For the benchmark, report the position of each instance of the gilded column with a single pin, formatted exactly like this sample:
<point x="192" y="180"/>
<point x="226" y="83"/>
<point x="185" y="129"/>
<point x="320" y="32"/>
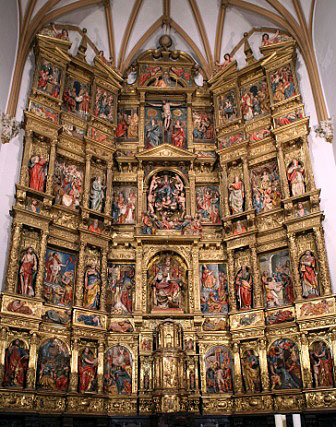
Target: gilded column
<point x="333" y="345"/>
<point x="189" y="121"/>
<point x="100" y="370"/>
<point x="192" y="189"/>
<point x="104" y="280"/>
<point x="294" y="265"/>
<point x="31" y="371"/>
<point x="26" y="157"/>
<point x="247" y="184"/>
<point x="231" y="285"/>
<point x="139" y="279"/>
<point x="51" y="166"/>
<point x="13" y="260"/>
<point x="305" y="362"/>
<point x="80" y="276"/>
<point x="142" y="121"/>
<point x="40" y="274"/>
<point x="265" y="383"/>
<point x="195" y="273"/>
<point x="238" y="383"/>
<point x="224" y="189"/>
<point x="141" y="204"/>
<point x="3" y="344"/>
<point x="257" y="289"/>
<point x="323" y="260"/>
<point x="308" y="166"/>
<point x="109" y="189"/>
<point x="74" y="366"/>
<point x="282" y="171"/>
<point x="87" y="181"/>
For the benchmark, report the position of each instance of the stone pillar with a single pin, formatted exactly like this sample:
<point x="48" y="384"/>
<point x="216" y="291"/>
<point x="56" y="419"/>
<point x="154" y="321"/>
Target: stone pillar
<point x="109" y="189"/>
<point x="100" y="370"/>
<point x="80" y="276"/>
<point x="238" y="383"/>
<point x="305" y="362"/>
<point x="265" y="382"/>
<point x="13" y="259"/>
<point x="24" y="181"/>
<point x="87" y="180"/>
<point x="51" y="166"/>
<point x="104" y="280"/>
<point x="40" y="274"/>
<point x="247" y="184"/>
<point x="224" y="189"/>
<point x="74" y="366"/>
<point x="257" y="287"/>
<point x="282" y="171"/>
<point x="294" y="266"/>
<point x="308" y="167"/>
<point x="325" y="284"/>
<point x="231" y="281"/>
<point x="32" y="363"/>
<point x="3" y="345"/>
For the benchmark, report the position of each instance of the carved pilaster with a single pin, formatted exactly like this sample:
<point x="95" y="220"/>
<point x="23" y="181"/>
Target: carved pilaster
<point x="51" y="168"/>
<point x="40" y="274"/>
<point x="87" y="181"/>
<point x="308" y="167"/>
<point x="3" y="344"/>
<point x="294" y="266"/>
<point x="224" y="189"/>
<point x="192" y="183"/>
<point x="31" y="372"/>
<point x="238" y="383"/>
<point x="333" y="347"/>
<point x="247" y="184"/>
<point x="142" y="121"/>
<point x="195" y="267"/>
<point x="231" y="285"/>
<point x="323" y="261"/>
<point x="141" y="195"/>
<point x="139" y="279"/>
<point x="100" y="370"/>
<point x="74" y="366"/>
<point x="257" y="288"/>
<point x="306" y="374"/>
<point x="80" y="275"/>
<point x="282" y="172"/>
<point x="109" y="189"/>
<point x="13" y="260"/>
<point x="26" y="157"/>
<point x="265" y="383"/>
<point x="104" y="280"/>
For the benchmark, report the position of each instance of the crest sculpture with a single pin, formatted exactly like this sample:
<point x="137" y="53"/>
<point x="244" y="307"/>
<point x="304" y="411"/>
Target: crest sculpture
<point x="167" y="251"/>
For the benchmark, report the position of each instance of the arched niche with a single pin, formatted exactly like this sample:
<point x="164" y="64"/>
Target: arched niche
<point x="118" y="370"/>
<point x="321" y="364"/>
<point x="218" y="370"/>
<point x="16" y="364"/>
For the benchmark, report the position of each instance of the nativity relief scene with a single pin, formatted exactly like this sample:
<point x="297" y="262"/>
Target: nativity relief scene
<point x="167" y="250"/>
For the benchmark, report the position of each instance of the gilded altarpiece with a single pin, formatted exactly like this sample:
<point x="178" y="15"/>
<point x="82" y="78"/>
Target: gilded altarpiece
<point x="167" y="250"/>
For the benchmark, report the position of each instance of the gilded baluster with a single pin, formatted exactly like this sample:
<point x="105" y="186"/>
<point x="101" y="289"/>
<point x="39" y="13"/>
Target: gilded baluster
<point x="282" y="172"/>
<point x="51" y="167"/>
<point x="26" y="157"/>
<point x="294" y="265"/>
<point x="104" y="280"/>
<point x="265" y="382"/>
<point x="87" y="181"/>
<point x="100" y="370"/>
<point x="31" y="371"/>
<point x="13" y="262"/>
<point x="323" y="261"/>
<point x="247" y="184"/>
<point x="231" y="284"/>
<point x="257" y="288"/>
<point x="74" y="366"/>
<point x="238" y="383"/>
<point x="3" y="345"/>
<point x="42" y="255"/>
<point x="305" y="361"/>
<point x="80" y="275"/>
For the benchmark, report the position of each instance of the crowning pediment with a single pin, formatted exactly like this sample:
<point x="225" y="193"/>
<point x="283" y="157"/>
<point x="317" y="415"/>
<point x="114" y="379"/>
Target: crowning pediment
<point x="166" y="152"/>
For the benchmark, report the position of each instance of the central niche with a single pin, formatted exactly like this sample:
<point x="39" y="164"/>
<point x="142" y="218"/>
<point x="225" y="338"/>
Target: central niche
<point x="167" y="283"/>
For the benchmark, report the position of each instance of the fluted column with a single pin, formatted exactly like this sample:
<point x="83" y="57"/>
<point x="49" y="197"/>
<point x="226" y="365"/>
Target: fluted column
<point x="257" y="288"/>
<point x="100" y="370"/>
<point x="87" y="181"/>
<point x="51" y="166"/>
<point x="192" y="190"/>
<point x="138" y="279"/>
<point x="42" y="255"/>
<point x="80" y="275"/>
<point x="247" y="184"/>
<point x="282" y="171"/>
<point x="74" y="366"/>
<point x="294" y="265"/>
<point x="265" y="382"/>
<point x="104" y="280"/>
<point x="224" y="189"/>
<point x="3" y="344"/>
<point x="196" y="280"/>
<point x="141" y="195"/>
<point x="26" y="157"/>
<point x="323" y="261"/>
<point x="231" y="281"/>
<point x="109" y="189"/>
<point x="305" y="362"/>
<point x="31" y="372"/>
<point x="238" y="383"/>
<point x="13" y="259"/>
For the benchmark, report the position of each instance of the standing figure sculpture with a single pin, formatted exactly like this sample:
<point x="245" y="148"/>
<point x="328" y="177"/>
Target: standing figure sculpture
<point x="87" y="366"/>
<point x="166" y="112"/>
<point x="16" y="365"/>
<point x="308" y="275"/>
<point x="244" y="284"/>
<point x="236" y="198"/>
<point x="295" y="176"/>
<point x="37" y="173"/>
<point x="92" y="283"/>
<point x="27" y="273"/>
<point x="97" y="194"/>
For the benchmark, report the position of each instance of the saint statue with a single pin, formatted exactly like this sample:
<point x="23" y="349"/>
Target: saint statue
<point x="236" y="197"/>
<point x="308" y="275"/>
<point x="16" y="364"/>
<point x="37" y="173"/>
<point x="153" y="134"/>
<point x="178" y="135"/>
<point x="244" y="284"/>
<point x="97" y="194"/>
<point x="27" y="273"/>
<point x="295" y="176"/>
<point x="87" y="366"/>
<point x="92" y="283"/>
